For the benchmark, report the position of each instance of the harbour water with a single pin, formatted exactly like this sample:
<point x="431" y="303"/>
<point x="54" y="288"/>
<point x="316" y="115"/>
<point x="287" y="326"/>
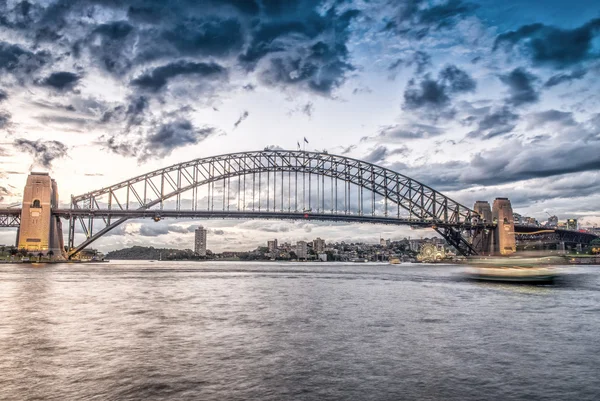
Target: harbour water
<point x="270" y="331"/>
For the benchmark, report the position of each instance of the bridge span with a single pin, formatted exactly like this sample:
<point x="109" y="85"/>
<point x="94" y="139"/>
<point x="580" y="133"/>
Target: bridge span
<point x="269" y="184"/>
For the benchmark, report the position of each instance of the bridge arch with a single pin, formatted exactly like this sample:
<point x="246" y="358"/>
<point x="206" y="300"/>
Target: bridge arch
<point x="408" y="197"/>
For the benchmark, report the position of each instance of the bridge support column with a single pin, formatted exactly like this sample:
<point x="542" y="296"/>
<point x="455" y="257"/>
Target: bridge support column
<point x="39" y="230"/>
<point x="504" y="235"/>
<point x="482" y="239"/>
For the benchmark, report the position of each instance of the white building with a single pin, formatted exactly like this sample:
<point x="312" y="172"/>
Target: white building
<point x="272" y="245"/>
<point x="200" y="241"/>
<point x="301" y="250"/>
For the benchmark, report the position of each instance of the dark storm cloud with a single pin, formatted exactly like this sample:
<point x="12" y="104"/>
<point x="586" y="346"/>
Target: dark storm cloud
<point x="563" y="118"/>
<point x="214" y="37"/>
<point x="457" y="80"/>
<point x="427" y="93"/>
<point x="521" y="88"/>
<point x="308" y="51"/>
<point x="5" y="117"/>
<point x="20" y="62"/>
<point x="407" y="131"/>
<point x="132" y="114"/>
<point x="419" y="59"/>
<point x="513" y="161"/>
<point x="175" y="134"/>
<point x="430" y="93"/>
<point x="244" y="116"/>
<point x="553" y="46"/>
<point x="564" y="77"/>
<point x="157" y="78"/>
<point x="496" y="123"/>
<point x="61" y="80"/>
<point x="43" y="152"/>
<point x="160" y="142"/>
<point x="3" y="95"/>
<point x="417" y="18"/>
<point x="381" y="153"/>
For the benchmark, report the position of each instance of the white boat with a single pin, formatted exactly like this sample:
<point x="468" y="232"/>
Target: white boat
<point x="514" y="269"/>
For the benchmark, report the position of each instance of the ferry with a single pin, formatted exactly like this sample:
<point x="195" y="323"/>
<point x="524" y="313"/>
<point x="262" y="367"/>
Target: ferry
<point x="514" y="269"/>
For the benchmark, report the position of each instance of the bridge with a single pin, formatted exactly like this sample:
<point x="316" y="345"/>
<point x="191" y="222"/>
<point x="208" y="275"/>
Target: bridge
<point x="267" y="184"/>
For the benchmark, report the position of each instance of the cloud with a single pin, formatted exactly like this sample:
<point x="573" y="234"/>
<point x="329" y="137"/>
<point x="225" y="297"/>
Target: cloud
<point x="381" y="153"/>
<point x="564" y="77"/>
<point x="157" y="78"/>
<point x="5" y="117"/>
<point x="44" y="152"/>
<point x="20" y="62"/>
<point x="521" y="88"/>
<point x="496" y="123"/>
<point x="308" y="52"/>
<point x="556" y="47"/>
<point x="3" y="95"/>
<point x="416" y="18"/>
<point x="436" y="94"/>
<point x="244" y="115"/>
<point x="62" y="80"/>
<point x="407" y="131"/>
<point x="420" y="59"/>
<point x="159" y="143"/>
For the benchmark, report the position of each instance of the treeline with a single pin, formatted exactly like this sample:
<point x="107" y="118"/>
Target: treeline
<point x="151" y="253"/>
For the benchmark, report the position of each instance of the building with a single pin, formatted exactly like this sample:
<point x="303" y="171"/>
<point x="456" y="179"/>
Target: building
<point x="552" y="221"/>
<point x="319" y="245"/>
<point x="272" y="246"/>
<point x="200" y="241"/>
<point x="39" y="230"/>
<point x="301" y="250"/>
<point x="572" y="224"/>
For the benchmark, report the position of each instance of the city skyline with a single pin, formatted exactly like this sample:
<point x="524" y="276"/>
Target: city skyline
<point x="475" y="99"/>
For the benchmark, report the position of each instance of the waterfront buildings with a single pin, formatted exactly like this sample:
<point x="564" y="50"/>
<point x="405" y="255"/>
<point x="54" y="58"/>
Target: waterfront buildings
<point x="272" y="246"/>
<point x="200" y="241"/>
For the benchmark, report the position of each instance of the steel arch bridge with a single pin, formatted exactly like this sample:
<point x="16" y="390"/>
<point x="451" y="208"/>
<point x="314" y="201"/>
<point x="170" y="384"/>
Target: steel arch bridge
<point x="274" y="184"/>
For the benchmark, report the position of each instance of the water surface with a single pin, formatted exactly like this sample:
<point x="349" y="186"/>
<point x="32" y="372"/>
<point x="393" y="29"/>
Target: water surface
<point x="270" y="331"/>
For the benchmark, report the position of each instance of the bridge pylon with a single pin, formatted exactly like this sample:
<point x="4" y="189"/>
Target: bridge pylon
<point x="504" y="235"/>
<point x="40" y="230"/>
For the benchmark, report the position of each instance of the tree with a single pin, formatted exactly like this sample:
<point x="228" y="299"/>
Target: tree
<point x="39" y="255"/>
<point x="50" y="254"/>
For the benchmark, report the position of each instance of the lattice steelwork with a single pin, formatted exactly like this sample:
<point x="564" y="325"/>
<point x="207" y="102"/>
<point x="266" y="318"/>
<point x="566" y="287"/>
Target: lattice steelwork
<point x="10" y="217"/>
<point x="274" y="184"/>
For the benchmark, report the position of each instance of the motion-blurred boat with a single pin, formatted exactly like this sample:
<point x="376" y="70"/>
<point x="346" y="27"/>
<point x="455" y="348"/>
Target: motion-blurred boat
<point x="514" y="269"/>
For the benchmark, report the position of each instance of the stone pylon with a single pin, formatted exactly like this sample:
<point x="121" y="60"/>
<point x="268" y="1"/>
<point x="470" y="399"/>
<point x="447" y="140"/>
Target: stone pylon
<point x="39" y="230"/>
<point x="504" y="235"/>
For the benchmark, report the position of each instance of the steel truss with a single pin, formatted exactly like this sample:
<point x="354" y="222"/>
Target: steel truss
<point x="275" y="181"/>
<point x="10" y="217"/>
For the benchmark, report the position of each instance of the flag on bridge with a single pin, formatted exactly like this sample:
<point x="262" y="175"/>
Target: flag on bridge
<point x="305" y="140"/>
<point x="298" y="145"/>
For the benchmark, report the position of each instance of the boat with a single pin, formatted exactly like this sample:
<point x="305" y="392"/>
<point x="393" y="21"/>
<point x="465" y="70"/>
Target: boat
<point x="514" y="269"/>
<point x="526" y="275"/>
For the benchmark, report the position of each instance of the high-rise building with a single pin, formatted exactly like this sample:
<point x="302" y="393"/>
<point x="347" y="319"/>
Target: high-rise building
<point x="301" y="250"/>
<point x="272" y="245"/>
<point x="200" y="241"/>
<point x="319" y="245"/>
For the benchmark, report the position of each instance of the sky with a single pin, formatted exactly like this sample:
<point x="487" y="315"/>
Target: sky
<point x="477" y="99"/>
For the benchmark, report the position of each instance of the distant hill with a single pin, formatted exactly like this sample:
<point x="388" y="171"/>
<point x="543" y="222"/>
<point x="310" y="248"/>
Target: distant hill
<point x="150" y="253"/>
